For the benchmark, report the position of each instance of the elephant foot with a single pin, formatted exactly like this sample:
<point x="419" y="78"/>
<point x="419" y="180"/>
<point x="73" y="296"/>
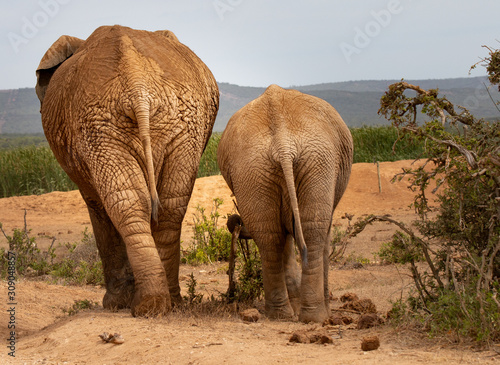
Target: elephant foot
<point x="115" y="302"/>
<point x="316" y="314"/>
<point x="119" y="294"/>
<point x="176" y="299"/>
<point x="279" y="312"/>
<point x="152" y="305"/>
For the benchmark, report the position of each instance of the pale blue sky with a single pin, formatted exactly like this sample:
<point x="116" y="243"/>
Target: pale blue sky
<point x="258" y="42"/>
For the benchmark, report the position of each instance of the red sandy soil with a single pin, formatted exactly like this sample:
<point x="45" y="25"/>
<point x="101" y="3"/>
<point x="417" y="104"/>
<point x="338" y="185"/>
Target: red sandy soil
<point x="47" y="335"/>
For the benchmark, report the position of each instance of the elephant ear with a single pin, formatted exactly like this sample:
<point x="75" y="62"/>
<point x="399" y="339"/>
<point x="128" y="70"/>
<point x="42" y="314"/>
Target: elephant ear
<point x="168" y="34"/>
<point x="60" y="51"/>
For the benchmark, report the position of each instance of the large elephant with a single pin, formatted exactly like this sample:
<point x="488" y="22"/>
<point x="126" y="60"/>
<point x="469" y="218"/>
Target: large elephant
<point x="128" y="114"/>
<point x="287" y="158"/>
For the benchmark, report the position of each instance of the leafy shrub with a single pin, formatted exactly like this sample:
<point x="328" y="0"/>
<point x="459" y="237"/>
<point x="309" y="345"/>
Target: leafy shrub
<point x="81" y="265"/>
<point x="29" y="258"/>
<point x="208" y="163"/>
<point x="192" y="297"/>
<point x="79" y="305"/>
<point x="250" y="284"/>
<point x="210" y="242"/>
<point x="457" y="290"/>
<point x="400" y="250"/>
<point x="373" y="144"/>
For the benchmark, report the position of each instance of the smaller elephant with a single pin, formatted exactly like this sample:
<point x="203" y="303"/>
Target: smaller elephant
<point x="287" y="158"/>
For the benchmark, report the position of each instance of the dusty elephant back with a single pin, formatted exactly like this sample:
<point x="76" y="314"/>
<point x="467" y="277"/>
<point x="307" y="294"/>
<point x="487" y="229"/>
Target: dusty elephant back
<point x="114" y="69"/>
<point x="258" y="131"/>
<point x="116" y="57"/>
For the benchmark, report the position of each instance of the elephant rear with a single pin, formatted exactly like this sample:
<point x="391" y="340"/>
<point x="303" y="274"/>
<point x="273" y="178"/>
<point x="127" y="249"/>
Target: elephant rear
<point x="128" y="114"/>
<point x="287" y="158"/>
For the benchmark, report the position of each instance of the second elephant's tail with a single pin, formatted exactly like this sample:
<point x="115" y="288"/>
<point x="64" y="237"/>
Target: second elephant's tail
<point x="287" y="166"/>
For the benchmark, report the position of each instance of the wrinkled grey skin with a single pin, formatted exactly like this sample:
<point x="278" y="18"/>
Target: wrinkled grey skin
<point x="287" y="158"/>
<point x="128" y="114"/>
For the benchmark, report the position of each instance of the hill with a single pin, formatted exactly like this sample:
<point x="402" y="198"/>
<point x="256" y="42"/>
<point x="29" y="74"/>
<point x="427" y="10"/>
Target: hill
<point x="356" y="101"/>
<point x="19" y="112"/>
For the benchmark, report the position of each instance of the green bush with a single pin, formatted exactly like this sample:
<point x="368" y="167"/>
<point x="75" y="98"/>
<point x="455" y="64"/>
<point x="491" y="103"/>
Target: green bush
<point x="79" y="305"/>
<point x="30" y="260"/>
<point x="192" y="297"/>
<point x="81" y="265"/>
<point x="250" y="284"/>
<point x="210" y="242"/>
<point x="400" y="250"/>
<point x="457" y="286"/>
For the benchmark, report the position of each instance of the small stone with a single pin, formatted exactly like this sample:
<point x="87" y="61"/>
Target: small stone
<point x="370" y="343"/>
<point x="105" y="336"/>
<point x="250" y="315"/>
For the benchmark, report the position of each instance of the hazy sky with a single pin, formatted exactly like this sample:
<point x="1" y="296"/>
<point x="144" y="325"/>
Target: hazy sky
<point x="257" y="42"/>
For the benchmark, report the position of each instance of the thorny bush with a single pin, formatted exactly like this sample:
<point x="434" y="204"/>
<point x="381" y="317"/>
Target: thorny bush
<point x="460" y="238"/>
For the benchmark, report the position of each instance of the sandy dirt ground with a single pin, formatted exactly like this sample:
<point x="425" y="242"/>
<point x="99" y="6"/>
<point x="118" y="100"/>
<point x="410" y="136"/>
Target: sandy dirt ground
<point x="45" y="334"/>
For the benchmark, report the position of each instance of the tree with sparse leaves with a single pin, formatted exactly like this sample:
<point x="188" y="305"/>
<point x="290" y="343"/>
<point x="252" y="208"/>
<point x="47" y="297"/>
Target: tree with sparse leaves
<point x="458" y="290"/>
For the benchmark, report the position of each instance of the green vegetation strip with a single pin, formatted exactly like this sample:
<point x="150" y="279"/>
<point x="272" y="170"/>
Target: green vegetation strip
<point x="27" y="169"/>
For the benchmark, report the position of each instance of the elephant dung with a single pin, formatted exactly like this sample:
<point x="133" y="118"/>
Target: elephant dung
<point x="362" y="306"/>
<point x="370" y="343"/>
<point x="319" y="337"/>
<point x="250" y="315"/>
<point x="349" y="297"/>
<point x="337" y="320"/>
<point x="368" y="320"/>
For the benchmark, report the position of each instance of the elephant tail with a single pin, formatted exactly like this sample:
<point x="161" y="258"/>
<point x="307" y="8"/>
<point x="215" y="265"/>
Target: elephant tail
<point x="287" y="166"/>
<point x="142" y="115"/>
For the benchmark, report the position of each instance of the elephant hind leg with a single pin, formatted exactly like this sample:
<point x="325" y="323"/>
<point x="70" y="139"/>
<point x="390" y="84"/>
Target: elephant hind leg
<point x="292" y="274"/>
<point x="167" y="236"/>
<point x="178" y="180"/>
<point x="129" y="210"/>
<point x="118" y="276"/>
<point x="314" y="284"/>
<point x="271" y="248"/>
